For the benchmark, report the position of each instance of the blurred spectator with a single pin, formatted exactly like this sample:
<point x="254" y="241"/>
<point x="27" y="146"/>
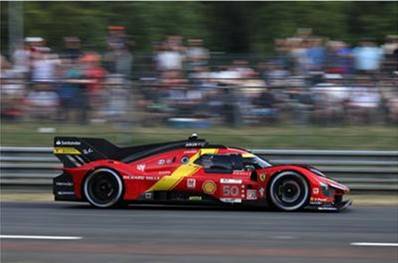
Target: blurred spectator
<point x="12" y="91"/>
<point x="276" y="76"/>
<point x="300" y="100"/>
<point x="123" y="60"/>
<point x="367" y="57"/>
<point x="41" y="102"/>
<point x="72" y="48"/>
<point x="44" y="65"/>
<point x="315" y="54"/>
<point x="390" y="49"/>
<point x="169" y="58"/>
<point x="282" y="57"/>
<point x="264" y="107"/>
<point x="118" y="58"/>
<point x="338" y="58"/>
<point x="364" y="100"/>
<point x="196" y="54"/>
<point x="71" y="93"/>
<point x="21" y="58"/>
<point x="298" y="54"/>
<point x="330" y="98"/>
<point x="117" y="98"/>
<point x="95" y="75"/>
<point x="116" y="37"/>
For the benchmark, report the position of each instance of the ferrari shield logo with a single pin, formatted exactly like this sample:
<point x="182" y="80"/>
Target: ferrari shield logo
<point x="262" y="177"/>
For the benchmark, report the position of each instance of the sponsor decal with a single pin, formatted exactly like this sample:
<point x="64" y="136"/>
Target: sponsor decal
<point x="312" y="199"/>
<point x="66" y="150"/>
<point x="231" y="200"/>
<point x="87" y="151"/>
<point x="231" y="190"/>
<point x="66" y="193"/>
<point x="164" y="172"/>
<point x="209" y="187"/>
<point x="230" y="181"/>
<point x="141" y="177"/>
<point x="136" y="177"/>
<point x="195" y="144"/>
<point x="251" y="194"/>
<point x="64" y="184"/>
<point x="195" y="198"/>
<point x="141" y="167"/>
<point x="169" y="161"/>
<point x="152" y="178"/>
<point x="190" y="151"/>
<point x="237" y="172"/>
<point x="315" y="191"/>
<point x="262" y="177"/>
<point x="59" y="142"/>
<point x="261" y="191"/>
<point x="191" y="183"/>
<point x="148" y="195"/>
<point x="161" y="162"/>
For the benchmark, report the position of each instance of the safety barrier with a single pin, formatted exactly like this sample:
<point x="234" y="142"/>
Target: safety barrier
<point x="360" y="170"/>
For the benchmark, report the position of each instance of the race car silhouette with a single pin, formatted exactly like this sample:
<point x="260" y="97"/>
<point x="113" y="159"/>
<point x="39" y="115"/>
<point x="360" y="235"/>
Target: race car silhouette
<point x="190" y="171"/>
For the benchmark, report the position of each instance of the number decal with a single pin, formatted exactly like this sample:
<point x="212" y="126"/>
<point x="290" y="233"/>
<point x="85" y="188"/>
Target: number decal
<point x="231" y="190"/>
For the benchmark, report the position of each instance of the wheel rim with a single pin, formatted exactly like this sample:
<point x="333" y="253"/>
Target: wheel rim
<point x="103" y="188"/>
<point x="289" y="191"/>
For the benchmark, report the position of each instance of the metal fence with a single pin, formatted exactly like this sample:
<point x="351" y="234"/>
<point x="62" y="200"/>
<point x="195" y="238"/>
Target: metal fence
<point x="34" y="167"/>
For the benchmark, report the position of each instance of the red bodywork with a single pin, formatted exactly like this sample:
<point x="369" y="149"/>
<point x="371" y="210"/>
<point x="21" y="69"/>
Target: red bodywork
<point x="177" y="173"/>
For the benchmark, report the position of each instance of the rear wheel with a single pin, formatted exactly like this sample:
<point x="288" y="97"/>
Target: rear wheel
<point x="289" y="191"/>
<point x="103" y="188"/>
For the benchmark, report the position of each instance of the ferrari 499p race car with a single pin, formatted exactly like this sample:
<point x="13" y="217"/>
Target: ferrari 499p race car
<point x="189" y="171"/>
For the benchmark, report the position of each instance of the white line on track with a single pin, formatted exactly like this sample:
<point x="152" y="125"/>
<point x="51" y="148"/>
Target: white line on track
<point x="370" y="244"/>
<point x="39" y="237"/>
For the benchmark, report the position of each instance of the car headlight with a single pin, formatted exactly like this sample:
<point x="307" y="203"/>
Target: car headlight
<point x="325" y="189"/>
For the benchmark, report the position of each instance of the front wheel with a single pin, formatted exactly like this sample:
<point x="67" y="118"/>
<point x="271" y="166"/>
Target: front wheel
<point x="103" y="188"/>
<point x="289" y="191"/>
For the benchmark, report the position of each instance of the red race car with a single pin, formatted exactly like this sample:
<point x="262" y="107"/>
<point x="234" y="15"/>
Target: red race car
<point x="190" y="171"/>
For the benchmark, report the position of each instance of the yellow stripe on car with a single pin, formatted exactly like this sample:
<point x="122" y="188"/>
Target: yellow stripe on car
<point x="248" y="155"/>
<point x="168" y="182"/>
<point x="66" y="150"/>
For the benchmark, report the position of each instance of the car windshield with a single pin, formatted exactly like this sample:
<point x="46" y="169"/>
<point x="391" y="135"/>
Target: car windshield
<point x="256" y="161"/>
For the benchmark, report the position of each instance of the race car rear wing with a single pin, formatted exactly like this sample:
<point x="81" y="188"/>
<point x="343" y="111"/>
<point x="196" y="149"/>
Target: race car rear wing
<point x="76" y="151"/>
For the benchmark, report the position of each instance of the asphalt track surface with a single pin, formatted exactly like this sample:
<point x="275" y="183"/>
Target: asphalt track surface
<point x="195" y="234"/>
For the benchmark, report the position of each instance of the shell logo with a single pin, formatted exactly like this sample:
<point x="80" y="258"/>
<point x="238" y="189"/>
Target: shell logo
<point x="209" y="187"/>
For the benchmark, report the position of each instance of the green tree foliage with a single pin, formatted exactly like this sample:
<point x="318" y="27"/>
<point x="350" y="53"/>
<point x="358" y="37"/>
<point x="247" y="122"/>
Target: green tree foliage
<point x="225" y="26"/>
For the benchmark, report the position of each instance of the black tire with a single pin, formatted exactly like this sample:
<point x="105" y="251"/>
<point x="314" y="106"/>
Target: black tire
<point x="103" y="188"/>
<point x="289" y="191"/>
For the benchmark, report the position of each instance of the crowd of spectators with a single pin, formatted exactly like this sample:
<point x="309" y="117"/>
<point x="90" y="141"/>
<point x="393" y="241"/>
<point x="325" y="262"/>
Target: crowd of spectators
<point x="310" y="79"/>
<point x="38" y="83"/>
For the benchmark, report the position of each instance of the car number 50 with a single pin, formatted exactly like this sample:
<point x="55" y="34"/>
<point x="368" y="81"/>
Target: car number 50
<point x="231" y="190"/>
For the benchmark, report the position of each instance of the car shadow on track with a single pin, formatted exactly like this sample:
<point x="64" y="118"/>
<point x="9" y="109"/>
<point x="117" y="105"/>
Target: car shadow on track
<point x="171" y="207"/>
